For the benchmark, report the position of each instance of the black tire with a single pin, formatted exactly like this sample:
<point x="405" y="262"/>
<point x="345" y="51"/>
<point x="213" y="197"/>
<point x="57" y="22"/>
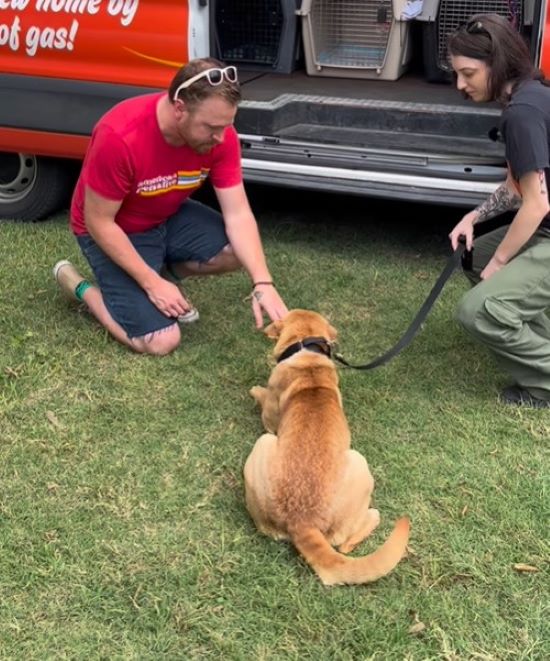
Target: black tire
<point x="32" y="187"/>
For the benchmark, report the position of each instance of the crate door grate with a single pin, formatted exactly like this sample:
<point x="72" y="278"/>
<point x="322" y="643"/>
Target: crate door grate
<point x="351" y="33"/>
<point x="249" y="30"/>
<point x="452" y="13"/>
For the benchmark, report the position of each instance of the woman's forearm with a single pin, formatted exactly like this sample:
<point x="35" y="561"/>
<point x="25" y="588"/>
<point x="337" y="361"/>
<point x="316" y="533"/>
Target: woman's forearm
<point x="504" y="198"/>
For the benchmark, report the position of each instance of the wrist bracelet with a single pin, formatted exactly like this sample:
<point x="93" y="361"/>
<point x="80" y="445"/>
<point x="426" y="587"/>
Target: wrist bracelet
<point x="266" y="282"/>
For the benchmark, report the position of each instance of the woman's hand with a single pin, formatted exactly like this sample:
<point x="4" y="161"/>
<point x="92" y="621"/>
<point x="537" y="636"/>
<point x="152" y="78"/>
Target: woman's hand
<point x="494" y="265"/>
<point x="464" y="228"/>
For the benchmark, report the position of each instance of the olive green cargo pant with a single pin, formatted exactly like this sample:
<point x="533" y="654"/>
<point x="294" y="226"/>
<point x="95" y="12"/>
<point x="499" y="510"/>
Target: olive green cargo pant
<point x="507" y="312"/>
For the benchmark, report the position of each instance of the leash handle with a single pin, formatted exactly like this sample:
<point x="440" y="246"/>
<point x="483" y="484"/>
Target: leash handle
<point x="467" y="255"/>
<point x="421" y="315"/>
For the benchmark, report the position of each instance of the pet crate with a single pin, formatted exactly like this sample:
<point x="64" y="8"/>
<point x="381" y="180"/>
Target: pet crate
<point x="355" y="38"/>
<point x="254" y="34"/>
<point x="450" y="15"/>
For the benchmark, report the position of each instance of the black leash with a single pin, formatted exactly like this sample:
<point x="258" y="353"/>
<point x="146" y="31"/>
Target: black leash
<point x="420" y="316"/>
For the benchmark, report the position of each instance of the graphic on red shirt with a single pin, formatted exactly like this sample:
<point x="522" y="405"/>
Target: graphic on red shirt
<point x="178" y="181"/>
<point x="129" y="160"/>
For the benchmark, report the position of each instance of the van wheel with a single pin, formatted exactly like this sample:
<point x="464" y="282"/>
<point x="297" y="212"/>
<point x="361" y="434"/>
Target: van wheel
<point x="32" y="187"/>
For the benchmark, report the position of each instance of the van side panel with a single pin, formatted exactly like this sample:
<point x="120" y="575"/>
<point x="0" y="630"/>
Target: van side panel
<point x="545" y="46"/>
<point x="135" y="42"/>
<point x="42" y="143"/>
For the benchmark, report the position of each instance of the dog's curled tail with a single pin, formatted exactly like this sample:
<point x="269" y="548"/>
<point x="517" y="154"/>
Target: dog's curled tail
<point x="334" y="568"/>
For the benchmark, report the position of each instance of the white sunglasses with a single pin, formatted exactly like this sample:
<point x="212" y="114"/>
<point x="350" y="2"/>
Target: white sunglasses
<point x="214" y="76"/>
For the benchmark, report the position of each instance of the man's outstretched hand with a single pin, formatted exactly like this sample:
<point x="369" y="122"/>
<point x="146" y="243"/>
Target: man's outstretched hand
<point x="266" y="301"/>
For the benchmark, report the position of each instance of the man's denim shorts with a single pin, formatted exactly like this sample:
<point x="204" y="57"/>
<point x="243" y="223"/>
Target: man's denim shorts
<point x="195" y="233"/>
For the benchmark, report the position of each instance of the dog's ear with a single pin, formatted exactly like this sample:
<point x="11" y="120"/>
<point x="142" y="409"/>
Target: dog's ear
<point x="332" y="333"/>
<point x="274" y="329"/>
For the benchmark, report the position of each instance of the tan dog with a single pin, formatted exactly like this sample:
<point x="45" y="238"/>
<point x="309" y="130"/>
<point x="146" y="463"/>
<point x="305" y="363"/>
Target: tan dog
<point x="305" y="484"/>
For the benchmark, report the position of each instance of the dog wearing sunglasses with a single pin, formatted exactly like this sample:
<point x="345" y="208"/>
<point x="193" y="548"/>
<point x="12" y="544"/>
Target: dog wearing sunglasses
<point x="303" y="483"/>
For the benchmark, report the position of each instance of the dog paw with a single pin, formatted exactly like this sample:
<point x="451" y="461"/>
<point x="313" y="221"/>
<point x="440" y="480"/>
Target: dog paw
<point x="347" y="547"/>
<point x="258" y="392"/>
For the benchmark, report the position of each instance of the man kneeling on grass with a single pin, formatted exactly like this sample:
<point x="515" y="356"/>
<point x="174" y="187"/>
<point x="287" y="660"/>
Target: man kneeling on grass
<point x="136" y="225"/>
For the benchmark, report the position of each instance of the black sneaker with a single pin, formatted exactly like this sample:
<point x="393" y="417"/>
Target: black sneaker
<point x="521" y="397"/>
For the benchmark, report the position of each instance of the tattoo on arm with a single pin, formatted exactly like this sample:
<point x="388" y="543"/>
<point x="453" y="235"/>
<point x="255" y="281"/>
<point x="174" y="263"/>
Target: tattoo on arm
<point x="503" y="199"/>
<point x="542" y="182"/>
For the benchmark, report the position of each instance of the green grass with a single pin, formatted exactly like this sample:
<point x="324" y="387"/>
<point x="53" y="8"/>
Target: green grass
<point x="123" y="530"/>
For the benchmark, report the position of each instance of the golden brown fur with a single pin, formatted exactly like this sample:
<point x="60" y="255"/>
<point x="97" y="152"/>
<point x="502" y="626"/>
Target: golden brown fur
<point x="302" y="481"/>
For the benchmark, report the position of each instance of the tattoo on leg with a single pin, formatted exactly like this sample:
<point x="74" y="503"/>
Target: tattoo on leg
<point x="151" y="336"/>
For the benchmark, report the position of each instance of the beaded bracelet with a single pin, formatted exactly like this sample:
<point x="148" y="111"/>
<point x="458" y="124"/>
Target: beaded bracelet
<point x="267" y="282"/>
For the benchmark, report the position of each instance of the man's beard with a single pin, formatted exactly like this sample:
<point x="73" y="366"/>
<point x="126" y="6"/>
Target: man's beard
<point x="204" y="147"/>
<point x="201" y="147"/>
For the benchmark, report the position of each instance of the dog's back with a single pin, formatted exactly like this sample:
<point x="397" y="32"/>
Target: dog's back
<point x="313" y="436"/>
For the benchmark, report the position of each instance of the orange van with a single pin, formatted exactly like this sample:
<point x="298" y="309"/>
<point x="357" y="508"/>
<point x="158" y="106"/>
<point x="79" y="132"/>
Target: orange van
<point x="352" y="96"/>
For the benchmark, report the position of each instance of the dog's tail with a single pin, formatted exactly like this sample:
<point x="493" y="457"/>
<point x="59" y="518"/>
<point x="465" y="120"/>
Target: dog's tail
<point x="334" y="568"/>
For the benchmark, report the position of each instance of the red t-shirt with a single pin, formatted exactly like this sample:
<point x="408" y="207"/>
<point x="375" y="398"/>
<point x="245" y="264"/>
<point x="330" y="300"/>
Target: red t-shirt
<point x="128" y="159"/>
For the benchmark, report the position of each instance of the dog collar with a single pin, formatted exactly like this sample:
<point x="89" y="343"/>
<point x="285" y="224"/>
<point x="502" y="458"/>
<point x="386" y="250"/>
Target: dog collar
<point x="315" y="344"/>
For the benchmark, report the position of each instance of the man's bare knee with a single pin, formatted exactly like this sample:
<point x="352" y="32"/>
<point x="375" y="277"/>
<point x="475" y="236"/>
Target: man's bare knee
<point x="159" y="343"/>
<point x="225" y="260"/>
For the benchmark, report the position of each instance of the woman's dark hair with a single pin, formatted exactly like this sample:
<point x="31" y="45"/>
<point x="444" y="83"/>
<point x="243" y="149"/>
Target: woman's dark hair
<point x="202" y="89"/>
<point x="492" y="39"/>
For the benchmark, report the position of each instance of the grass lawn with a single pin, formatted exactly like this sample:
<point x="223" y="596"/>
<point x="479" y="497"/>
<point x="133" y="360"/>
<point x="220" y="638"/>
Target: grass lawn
<point x="124" y="533"/>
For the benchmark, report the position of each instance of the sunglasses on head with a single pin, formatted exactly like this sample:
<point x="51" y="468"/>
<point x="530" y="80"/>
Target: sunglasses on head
<point x="215" y="76"/>
<point x="474" y="27"/>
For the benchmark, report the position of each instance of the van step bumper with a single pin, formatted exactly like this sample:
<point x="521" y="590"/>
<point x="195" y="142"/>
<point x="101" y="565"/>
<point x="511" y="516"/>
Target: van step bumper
<point x="414" y="176"/>
<point x="406" y="150"/>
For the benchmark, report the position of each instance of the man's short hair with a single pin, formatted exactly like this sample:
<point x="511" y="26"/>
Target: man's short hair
<point x="202" y="89"/>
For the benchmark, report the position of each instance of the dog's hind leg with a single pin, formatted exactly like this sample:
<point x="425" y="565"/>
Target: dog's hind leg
<point x="354" y="518"/>
<point x="364" y="528"/>
<point x="257" y="483"/>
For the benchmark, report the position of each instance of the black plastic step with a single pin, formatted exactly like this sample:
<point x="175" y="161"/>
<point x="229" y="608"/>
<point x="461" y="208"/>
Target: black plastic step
<point x="345" y="115"/>
<point x="400" y="139"/>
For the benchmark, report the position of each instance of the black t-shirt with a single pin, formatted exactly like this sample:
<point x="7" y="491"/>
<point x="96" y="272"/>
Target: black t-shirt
<point x="525" y="127"/>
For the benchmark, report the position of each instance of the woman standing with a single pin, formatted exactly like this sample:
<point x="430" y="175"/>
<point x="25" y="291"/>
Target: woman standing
<point x="506" y="308"/>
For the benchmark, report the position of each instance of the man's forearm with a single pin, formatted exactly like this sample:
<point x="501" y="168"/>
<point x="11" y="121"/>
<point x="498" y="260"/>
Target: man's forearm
<point x="247" y="245"/>
<point x="116" y="245"/>
<point x="504" y="198"/>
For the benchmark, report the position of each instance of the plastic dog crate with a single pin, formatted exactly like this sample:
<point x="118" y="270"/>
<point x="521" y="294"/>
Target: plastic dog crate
<point x="450" y="15"/>
<point x="255" y="34"/>
<point x="355" y="38"/>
